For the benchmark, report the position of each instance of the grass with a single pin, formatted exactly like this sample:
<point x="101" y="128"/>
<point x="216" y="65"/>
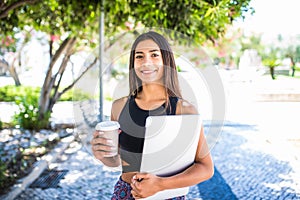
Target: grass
<point x="282" y="76"/>
<point x="9" y="93"/>
<point x="297" y="76"/>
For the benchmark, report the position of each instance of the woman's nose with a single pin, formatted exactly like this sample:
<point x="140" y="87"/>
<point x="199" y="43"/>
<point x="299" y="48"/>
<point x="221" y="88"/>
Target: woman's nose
<point x="147" y="60"/>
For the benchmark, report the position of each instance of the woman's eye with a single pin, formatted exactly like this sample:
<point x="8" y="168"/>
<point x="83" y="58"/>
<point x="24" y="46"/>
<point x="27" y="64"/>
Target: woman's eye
<point x="138" y="57"/>
<point x="155" y="55"/>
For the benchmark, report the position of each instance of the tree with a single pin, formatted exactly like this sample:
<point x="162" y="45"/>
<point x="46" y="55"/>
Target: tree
<point x="294" y="56"/>
<point x="292" y="51"/>
<point x="61" y="20"/>
<point x="271" y="59"/>
<point x="76" y="25"/>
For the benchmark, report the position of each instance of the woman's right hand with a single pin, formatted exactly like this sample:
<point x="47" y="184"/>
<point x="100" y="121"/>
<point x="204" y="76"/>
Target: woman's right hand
<point x="101" y="146"/>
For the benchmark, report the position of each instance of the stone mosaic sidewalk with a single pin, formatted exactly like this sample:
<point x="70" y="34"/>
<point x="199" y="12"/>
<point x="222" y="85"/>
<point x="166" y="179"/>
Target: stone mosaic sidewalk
<point x="243" y="170"/>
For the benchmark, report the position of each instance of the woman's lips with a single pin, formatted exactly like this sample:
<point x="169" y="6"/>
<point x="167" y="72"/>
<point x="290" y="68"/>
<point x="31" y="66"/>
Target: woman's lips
<point x="148" y="71"/>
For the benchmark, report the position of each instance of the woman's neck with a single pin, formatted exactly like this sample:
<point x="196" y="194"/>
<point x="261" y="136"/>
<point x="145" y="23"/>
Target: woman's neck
<point x="153" y="92"/>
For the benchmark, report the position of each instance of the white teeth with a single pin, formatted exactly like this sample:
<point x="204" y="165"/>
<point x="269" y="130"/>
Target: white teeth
<point x="147" y="72"/>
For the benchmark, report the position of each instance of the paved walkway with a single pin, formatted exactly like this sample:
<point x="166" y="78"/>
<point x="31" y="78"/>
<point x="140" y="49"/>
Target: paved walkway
<point x="244" y="170"/>
<point x="249" y="164"/>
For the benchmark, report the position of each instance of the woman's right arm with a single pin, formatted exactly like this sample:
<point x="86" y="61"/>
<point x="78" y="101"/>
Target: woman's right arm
<point x="101" y="147"/>
<point x="102" y="150"/>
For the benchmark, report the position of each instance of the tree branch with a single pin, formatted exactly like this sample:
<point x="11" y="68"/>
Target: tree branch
<point x="61" y="71"/>
<point x="49" y="80"/>
<point x="4" y="64"/>
<point x="6" y="8"/>
<point x="78" y="78"/>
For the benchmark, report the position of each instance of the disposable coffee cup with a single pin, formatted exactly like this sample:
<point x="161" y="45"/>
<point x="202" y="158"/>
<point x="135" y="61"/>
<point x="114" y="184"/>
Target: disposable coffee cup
<point x="110" y="130"/>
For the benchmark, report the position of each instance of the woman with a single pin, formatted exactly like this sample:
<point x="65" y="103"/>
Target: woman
<point x="154" y="90"/>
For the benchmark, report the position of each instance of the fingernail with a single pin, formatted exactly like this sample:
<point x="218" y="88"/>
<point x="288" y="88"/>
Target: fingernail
<point x="110" y="155"/>
<point x="110" y="142"/>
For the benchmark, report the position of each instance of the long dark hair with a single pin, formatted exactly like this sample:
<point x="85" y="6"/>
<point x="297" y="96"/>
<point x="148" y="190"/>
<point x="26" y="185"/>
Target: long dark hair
<point x="170" y="81"/>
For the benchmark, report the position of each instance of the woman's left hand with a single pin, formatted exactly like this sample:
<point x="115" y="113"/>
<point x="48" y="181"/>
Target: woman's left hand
<point x="145" y="185"/>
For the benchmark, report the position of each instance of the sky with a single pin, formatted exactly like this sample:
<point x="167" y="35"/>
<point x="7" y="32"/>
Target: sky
<point x="273" y="17"/>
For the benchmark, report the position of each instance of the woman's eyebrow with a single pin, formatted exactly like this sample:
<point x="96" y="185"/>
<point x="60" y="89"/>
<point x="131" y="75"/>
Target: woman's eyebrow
<point x="152" y="50"/>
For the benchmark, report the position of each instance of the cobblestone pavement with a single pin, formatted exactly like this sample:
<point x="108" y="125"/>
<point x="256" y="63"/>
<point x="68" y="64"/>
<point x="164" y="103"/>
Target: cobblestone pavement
<point x="246" y="167"/>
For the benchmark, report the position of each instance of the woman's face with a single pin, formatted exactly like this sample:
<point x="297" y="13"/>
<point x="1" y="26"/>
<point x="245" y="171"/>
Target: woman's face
<point x="148" y="63"/>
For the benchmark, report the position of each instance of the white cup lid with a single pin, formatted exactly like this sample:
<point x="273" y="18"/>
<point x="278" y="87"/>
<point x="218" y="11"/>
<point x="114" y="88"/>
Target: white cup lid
<point x="107" y="126"/>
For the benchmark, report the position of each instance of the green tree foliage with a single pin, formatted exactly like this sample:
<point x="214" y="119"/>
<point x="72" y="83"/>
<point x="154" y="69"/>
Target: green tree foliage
<point x="197" y="19"/>
<point x="7" y="6"/>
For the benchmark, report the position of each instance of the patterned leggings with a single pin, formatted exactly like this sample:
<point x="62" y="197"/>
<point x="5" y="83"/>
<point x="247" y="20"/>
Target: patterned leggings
<point x="122" y="191"/>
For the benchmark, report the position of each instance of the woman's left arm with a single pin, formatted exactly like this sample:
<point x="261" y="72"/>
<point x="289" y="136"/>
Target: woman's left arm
<point x="201" y="170"/>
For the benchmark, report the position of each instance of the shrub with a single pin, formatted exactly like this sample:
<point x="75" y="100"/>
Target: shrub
<point x="75" y="95"/>
<point x="9" y="92"/>
<point x="27" y="98"/>
<point x="27" y="116"/>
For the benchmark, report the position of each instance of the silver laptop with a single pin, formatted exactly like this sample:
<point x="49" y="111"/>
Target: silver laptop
<point x="170" y="147"/>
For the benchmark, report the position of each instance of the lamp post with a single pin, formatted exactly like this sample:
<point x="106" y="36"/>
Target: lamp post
<point x="101" y="56"/>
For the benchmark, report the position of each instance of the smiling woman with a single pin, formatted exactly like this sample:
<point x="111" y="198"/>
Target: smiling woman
<point x="154" y="90"/>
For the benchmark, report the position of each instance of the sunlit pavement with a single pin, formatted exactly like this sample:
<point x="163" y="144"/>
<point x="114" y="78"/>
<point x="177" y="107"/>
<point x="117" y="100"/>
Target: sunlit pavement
<point x="252" y="160"/>
<point x="256" y="155"/>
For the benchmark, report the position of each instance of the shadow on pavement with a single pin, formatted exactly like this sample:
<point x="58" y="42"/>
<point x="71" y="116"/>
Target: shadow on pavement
<point x="245" y="171"/>
<point x="215" y="188"/>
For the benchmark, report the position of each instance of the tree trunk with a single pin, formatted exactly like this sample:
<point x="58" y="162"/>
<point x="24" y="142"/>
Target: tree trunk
<point x="293" y="66"/>
<point x="272" y="72"/>
<point x="45" y="104"/>
<point x="56" y="94"/>
<point x="293" y="71"/>
<point x="14" y="74"/>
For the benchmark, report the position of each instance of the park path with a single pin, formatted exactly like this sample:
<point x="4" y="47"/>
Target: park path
<point x="248" y="165"/>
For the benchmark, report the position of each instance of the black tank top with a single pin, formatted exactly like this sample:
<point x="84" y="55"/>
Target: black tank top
<point x="132" y="123"/>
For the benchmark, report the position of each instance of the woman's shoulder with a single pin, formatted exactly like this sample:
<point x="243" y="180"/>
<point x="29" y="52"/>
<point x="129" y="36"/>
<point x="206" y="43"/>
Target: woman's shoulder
<point x="117" y="107"/>
<point x="119" y="101"/>
<point x="185" y="107"/>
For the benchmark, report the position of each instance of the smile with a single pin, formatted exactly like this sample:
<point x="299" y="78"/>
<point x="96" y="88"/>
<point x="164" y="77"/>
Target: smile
<point x="148" y="71"/>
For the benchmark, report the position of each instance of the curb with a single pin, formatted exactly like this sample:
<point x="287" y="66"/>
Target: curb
<point x="41" y="165"/>
<point x="278" y="97"/>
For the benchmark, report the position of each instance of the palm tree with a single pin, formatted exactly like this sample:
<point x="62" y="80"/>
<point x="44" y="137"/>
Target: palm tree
<point x="270" y="58"/>
<point x="271" y="63"/>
